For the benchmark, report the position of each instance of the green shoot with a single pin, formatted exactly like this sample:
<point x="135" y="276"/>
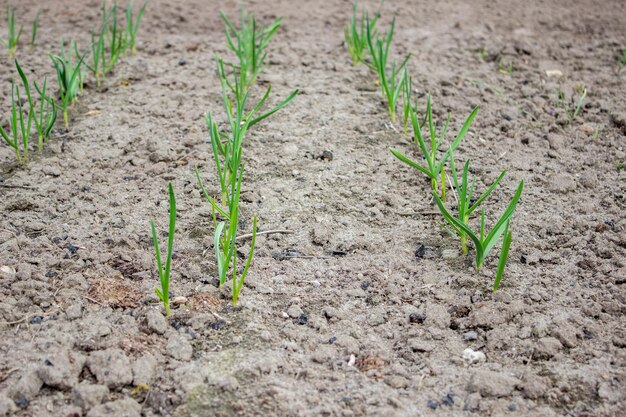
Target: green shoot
<point x="249" y="44"/>
<point x="46" y="115"/>
<point x="355" y="35"/>
<point x="108" y="46"/>
<point x="12" y="38"/>
<point x="132" y="26"/>
<point x="69" y="79"/>
<point x="19" y="129"/>
<point x="164" y="274"/>
<point x="434" y="168"/>
<point x="464" y="194"/>
<point x="407" y="94"/>
<point x="227" y="150"/>
<point x="390" y="83"/>
<point x="33" y="32"/>
<point x="504" y="255"/>
<point x="570" y="114"/>
<point x="482" y="242"/>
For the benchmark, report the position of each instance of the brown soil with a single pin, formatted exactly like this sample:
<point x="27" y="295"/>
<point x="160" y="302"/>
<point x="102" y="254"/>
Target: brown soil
<point x="353" y="324"/>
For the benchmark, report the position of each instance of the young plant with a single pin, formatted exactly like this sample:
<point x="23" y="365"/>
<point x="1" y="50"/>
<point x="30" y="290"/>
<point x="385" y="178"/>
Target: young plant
<point x="12" y="38"/>
<point x="464" y="195"/>
<point x="19" y="129"/>
<point x="107" y="47"/>
<point x="227" y="153"/>
<point x="46" y="115"/>
<point x="164" y="274"/>
<point x="390" y="83"/>
<point x="132" y="26"/>
<point x="355" y="35"/>
<point x="69" y="79"/>
<point x="483" y="242"/>
<point x="570" y="115"/>
<point x="435" y="167"/>
<point x="33" y="32"/>
<point x="504" y="255"/>
<point x="407" y="95"/>
<point x="249" y="44"/>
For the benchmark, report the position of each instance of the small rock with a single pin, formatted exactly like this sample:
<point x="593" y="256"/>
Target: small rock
<point x="111" y="367"/>
<point x="492" y="384"/>
<point x="586" y="129"/>
<point x="471" y="335"/>
<point x="432" y="404"/>
<point x="417" y="318"/>
<point x="449" y="254"/>
<point x="470" y="356"/>
<point x="302" y="319"/>
<point x="156" y="322"/>
<point x="126" y="407"/>
<point x="179" y="348"/>
<point x="7" y="272"/>
<point x="177" y="301"/>
<point x="144" y="369"/>
<point x="87" y="396"/>
<point x="294" y="311"/>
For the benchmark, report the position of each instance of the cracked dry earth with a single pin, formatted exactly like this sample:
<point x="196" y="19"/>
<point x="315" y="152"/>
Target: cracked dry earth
<point x="368" y="307"/>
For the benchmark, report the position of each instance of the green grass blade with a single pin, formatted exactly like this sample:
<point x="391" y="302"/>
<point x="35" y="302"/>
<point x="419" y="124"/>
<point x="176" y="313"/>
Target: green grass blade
<point x="411" y="163"/>
<point x="504" y="255"/>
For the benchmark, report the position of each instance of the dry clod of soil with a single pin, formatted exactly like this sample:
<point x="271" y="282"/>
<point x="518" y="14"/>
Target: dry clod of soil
<point x="87" y="396"/>
<point x="7" y="406"/>
<point x="61" y="369"/>
<point x="547" y="347"/>
<point x="111" y="367"/>
<point x="144" y="369"/>
<point x="27" y="386"/>
<point x="178" y="347"/>
<point x="126" y="407"/>
<point x="492" y="383"/>
<point x="561" y="183"/>
<point x="156" y="322"/>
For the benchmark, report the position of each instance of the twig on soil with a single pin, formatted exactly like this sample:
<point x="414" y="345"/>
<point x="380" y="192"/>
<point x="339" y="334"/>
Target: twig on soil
<point x="6" y="374"/>
<point x="25" y="187"/>
<point x="28" y="317"/>
<point x="17" y="241"/>
<point x="265" y="232"/>
<point x="94" y="301"/>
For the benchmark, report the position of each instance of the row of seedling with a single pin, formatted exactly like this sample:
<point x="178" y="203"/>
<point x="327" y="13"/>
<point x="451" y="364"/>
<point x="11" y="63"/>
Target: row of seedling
<point x="14" y="34"/>
<point x="107" y="46"/>
<point x="366" y="45"/>
<point x="249" y="43"/>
